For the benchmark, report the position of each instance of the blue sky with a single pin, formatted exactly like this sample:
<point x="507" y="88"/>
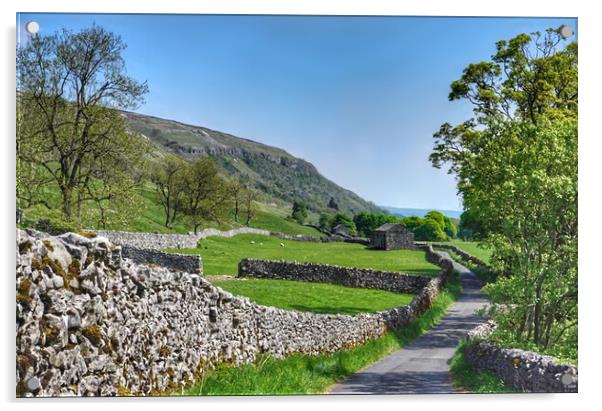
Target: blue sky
<point x="359" y="97"/>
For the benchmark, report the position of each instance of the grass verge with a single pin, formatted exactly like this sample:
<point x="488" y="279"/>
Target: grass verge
<point x="315" y="297"/>
<point x="464" y="377"/>
<point x="303" y="374"/>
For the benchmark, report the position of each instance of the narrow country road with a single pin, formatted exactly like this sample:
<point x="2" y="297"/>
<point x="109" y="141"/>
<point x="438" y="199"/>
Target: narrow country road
<point x="422" y="367"/>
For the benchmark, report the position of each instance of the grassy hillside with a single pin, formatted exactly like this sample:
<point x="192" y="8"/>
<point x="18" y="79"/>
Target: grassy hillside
<point x="279" y="175"/>
<point x="314" y="297"/>
<point x="221" y="255"/>
<point x="149" y="217"/>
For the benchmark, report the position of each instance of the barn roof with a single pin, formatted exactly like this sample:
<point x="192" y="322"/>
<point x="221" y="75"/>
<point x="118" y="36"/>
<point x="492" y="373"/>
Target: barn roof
<point x="391" y="227"/>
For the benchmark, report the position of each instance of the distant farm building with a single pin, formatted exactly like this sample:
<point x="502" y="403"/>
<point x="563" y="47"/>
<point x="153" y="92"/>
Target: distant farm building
<point x="341" y="229"/>
<point x="391" y="237"/>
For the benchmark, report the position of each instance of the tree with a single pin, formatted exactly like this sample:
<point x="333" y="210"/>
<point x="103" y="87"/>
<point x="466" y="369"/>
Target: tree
<point x="345" y="220"/>
<point x="333" y="204"/>
<point x="237" y="188"/>
<point x="325" y="221"/>
<point x="525" y="185"/>
<point x="437" y="216"/>
<point x="366" y="222"/>
<point x="411" y="223"/>
<point x="471" y="227"/>
<point x="249" y="206"/>
<point x="528" y="78"/>
<point x="429" y="230"/>
<point x="450" y="228"/>
<point x="299" y="213"/>
<point x="168" y="175"/>
<point x="69" y="135"/>
<point x="205" y="196"/>
<point x="516" y="167"/>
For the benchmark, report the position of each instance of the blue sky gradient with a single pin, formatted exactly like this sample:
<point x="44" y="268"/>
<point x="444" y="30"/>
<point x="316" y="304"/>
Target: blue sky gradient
<point x="359" y="97"/>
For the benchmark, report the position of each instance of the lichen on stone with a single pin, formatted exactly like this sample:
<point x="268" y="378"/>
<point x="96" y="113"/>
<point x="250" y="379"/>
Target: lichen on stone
<point x="48" y="245"/>
<point x="93" y="333"/>
<point x="23" y="291"/>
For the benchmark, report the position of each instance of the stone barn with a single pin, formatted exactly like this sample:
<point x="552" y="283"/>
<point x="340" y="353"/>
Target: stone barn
<point x="341" y="229"/>
<point x="391" y="237"/>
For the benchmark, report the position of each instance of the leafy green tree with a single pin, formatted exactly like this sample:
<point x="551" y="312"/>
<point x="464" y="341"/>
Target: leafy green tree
<point x="169" y="177"/>
<point x="411" y="223"/>
<point x="429" y="230"/>
<point x="341" y="218"/>
<point x="325" y="221"/>
<point x="516" y="167"/>
<point x="437" y="216"/>
<point x="206" y="196"/>
<point x="249" y="204"/>
<point x="299" y="213"/>
<point x="70" y="138"/>
<point x="366" y="222"/>
<point x="471" y="227"/>
<point x="451" y="230"/>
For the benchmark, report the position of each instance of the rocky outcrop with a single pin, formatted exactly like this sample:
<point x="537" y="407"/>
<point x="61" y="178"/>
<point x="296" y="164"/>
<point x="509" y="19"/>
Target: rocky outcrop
<point x="91" y="323"/>
<point x="522" y="370"/>
<point x="332" y="274"/>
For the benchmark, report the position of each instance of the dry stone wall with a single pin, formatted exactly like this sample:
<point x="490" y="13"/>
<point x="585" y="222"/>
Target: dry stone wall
<point x="332" y="274"/>
<point x="156" y="241"/>
<point x="466" y="256"/>
<point x="91" y="323"/>
<point x="149" y="241"/>
<point x="522" y="370"/>
<point x="173" y="261"/>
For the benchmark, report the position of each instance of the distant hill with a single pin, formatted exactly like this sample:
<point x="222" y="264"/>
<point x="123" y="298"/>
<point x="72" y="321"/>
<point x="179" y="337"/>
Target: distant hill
<point x="419" y="212"/>
<point x="278" y="174"/>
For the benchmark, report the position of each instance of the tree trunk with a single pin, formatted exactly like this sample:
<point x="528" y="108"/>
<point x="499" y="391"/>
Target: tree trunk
<point x="236" y="210"/>
<point x="66" y="192"/>
<point x="167" y="213"/>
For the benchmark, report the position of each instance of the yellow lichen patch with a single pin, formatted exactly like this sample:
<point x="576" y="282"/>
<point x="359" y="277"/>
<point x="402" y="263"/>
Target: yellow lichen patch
<point x="25" y="246"/>
<point x="54" y="265"/>
<point x="123" y="391"/>
<point x="92" y="333"/>
<point x="87" y="234"/>
<point x="23" y="290"/>
<point x="164" y="351"/>
<point x="36" y="264"/>
<point x="24" y="362"/>
<point x="72" y="272"/>
<point x="48" y="245"/>
<point x="51" y="333"/>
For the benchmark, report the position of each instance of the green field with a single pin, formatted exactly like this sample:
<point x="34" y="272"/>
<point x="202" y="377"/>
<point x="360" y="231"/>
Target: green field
<point x="314" y="297"/>
<point x="221" y="255"/>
